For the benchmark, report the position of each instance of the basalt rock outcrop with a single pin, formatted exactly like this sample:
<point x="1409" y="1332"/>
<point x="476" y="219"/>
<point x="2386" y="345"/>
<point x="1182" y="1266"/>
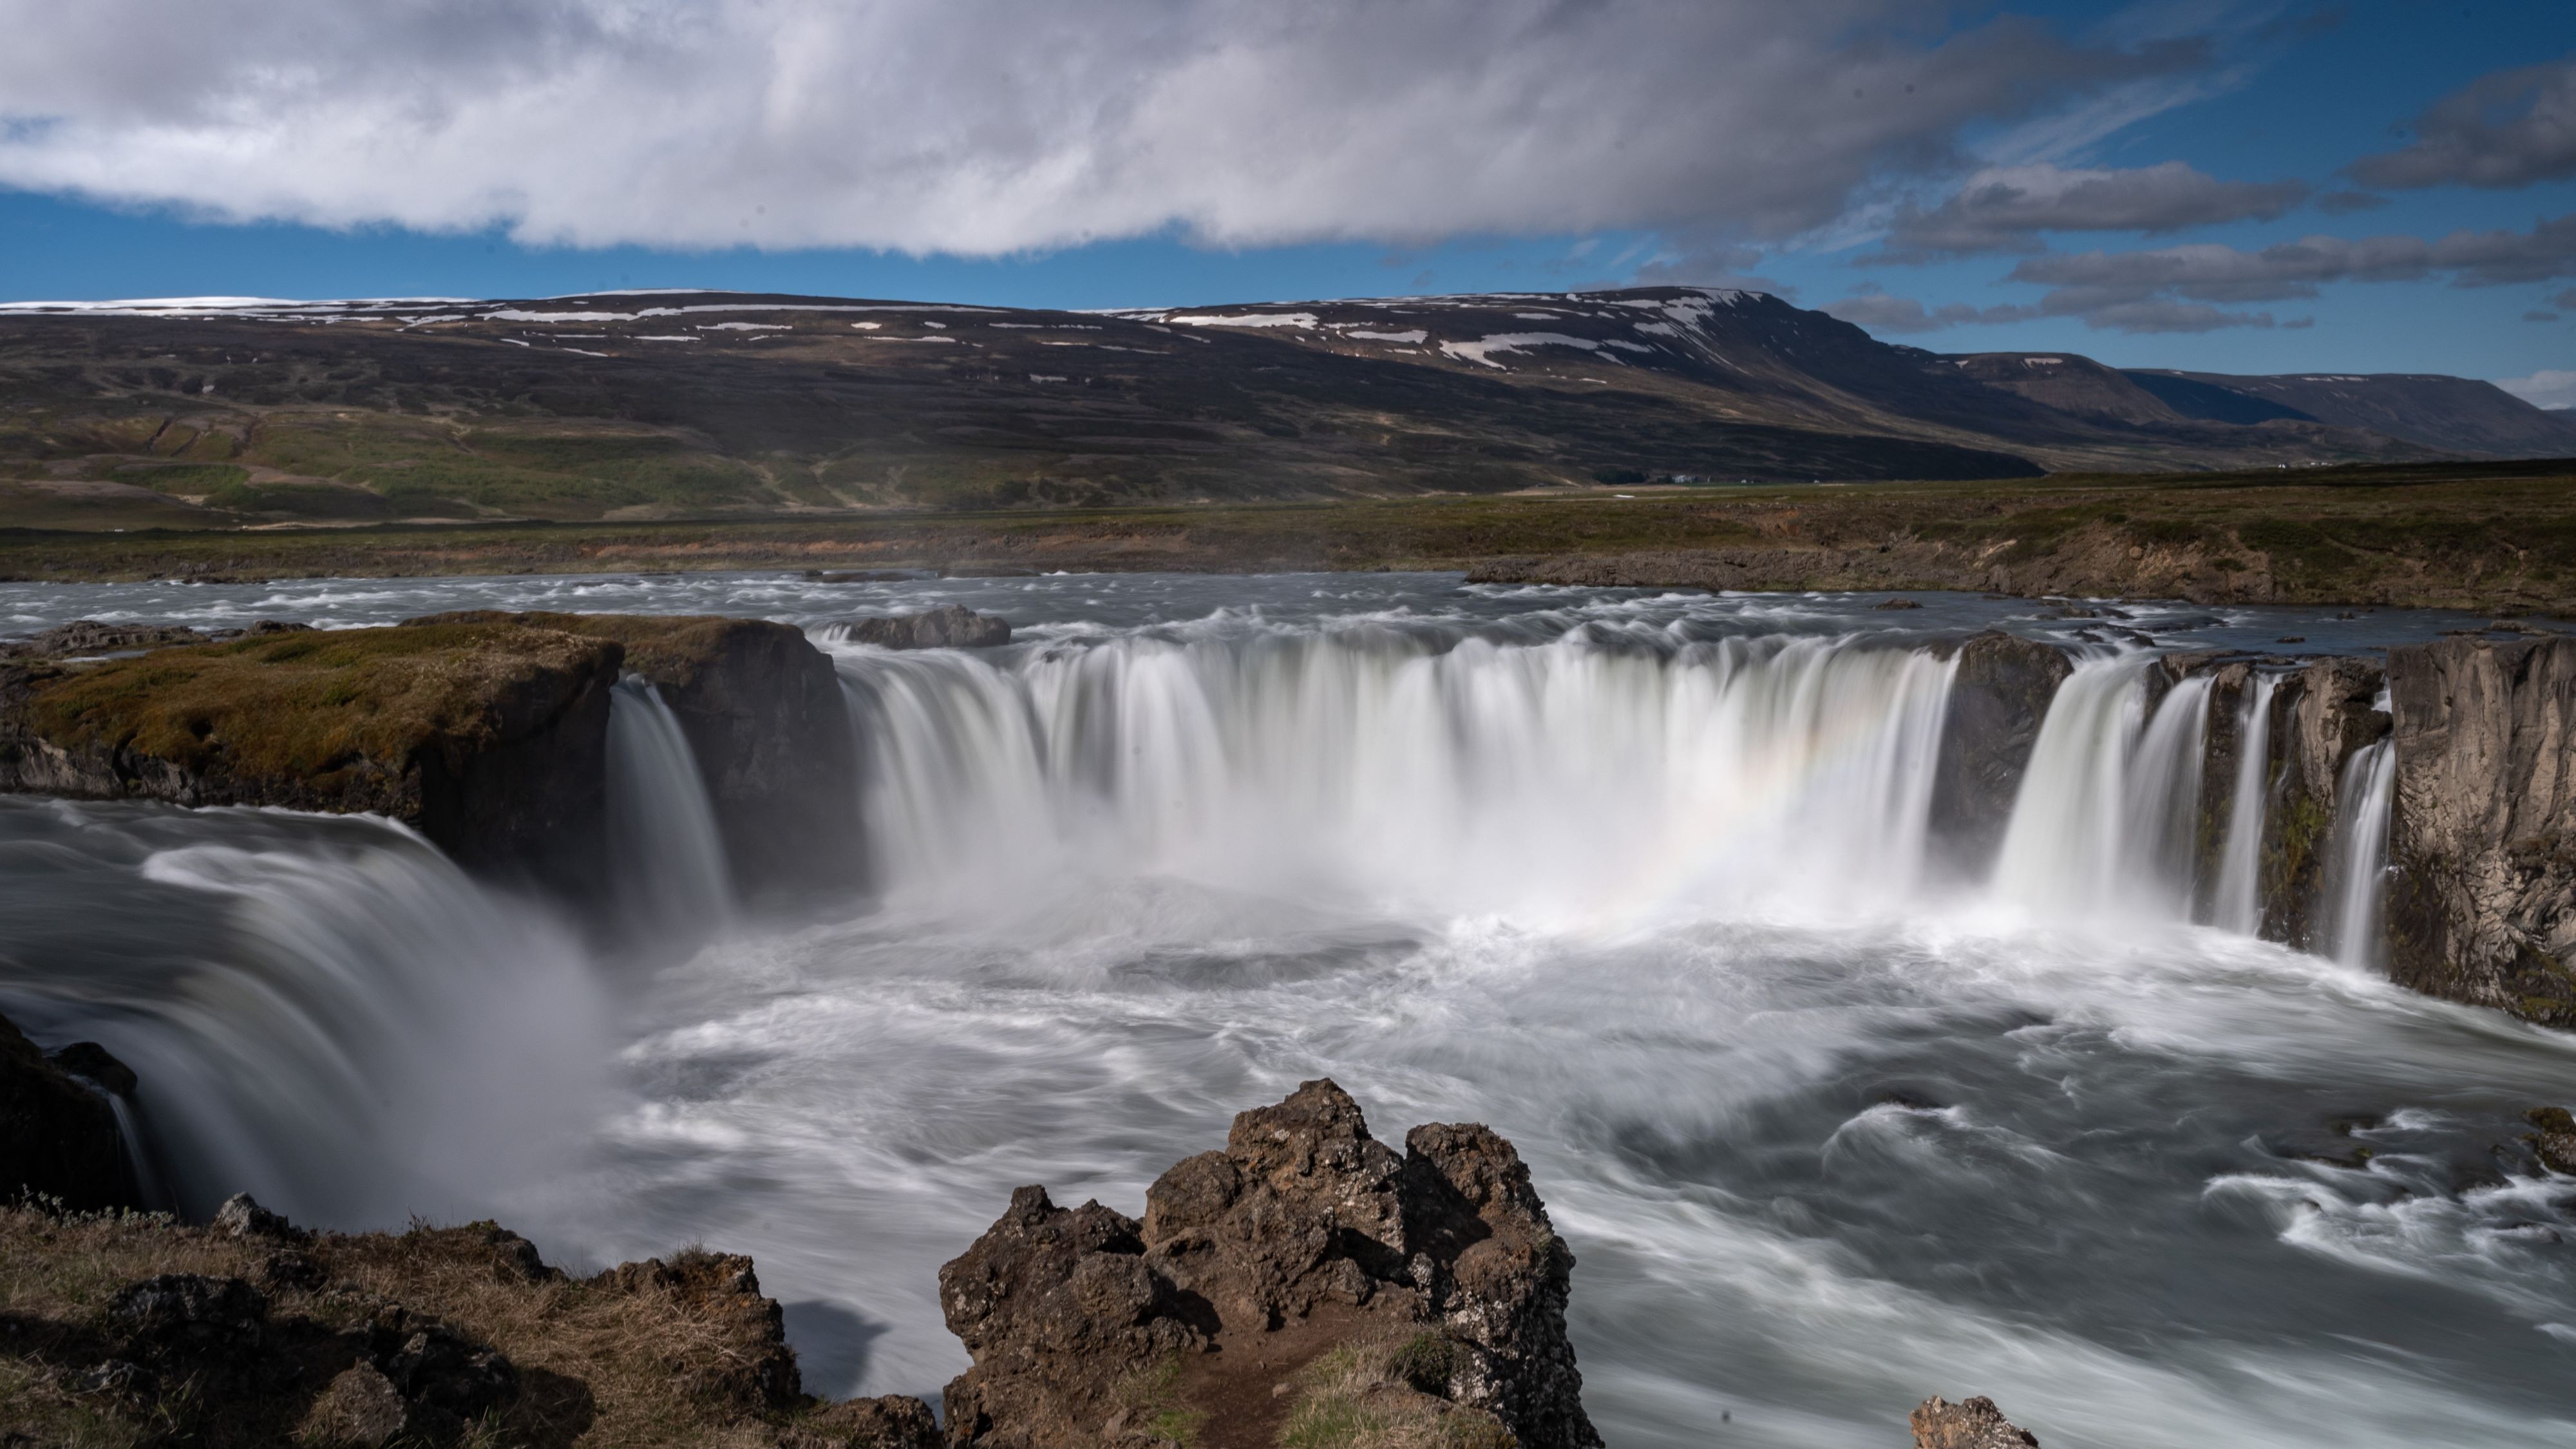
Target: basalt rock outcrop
<point x="1304" y="1258"/>
<point x="765" y="718"/>
<point x="1999" y="697"/>
<point x="2330" y="715"/>
<point x="490" y="739"/>
<point x="2483" y="905"/>
<point x="950" y="626"/>
<point x="487" y="732"/>
<point x="1973" y="1424"/>
<point x="58" y="1134"/>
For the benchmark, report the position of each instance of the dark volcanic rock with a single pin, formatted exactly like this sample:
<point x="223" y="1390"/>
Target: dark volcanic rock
<point x="950" y="626"/>
<point x="2483" y="907"/>
<point x="2555" y="1143"/>
<point x="189" y="1319"/>
<point x="1998" y="700"/>
<point x="1059" y="1311"/>
<point x="897" y="1421"/>
<point x="93" y="1064"/>
<point x="58" y="1137"/>
<point x="1975" y="1424"/>
<point x="766" y="720"/>
<point x="1302" y="1234"/>
<point x="720" y="1291"/>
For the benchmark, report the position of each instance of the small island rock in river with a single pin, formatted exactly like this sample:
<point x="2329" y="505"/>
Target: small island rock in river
<point x="950" y="626"/>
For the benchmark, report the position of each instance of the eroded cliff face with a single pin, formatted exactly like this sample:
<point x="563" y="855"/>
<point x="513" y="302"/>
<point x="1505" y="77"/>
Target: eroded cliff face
<point x="485" y="731"/>
<point x="764" y="715"/>
<point x="58" y="1134"/>
<point x="1304" y="1264"/>
<point x="490" y="739"/>
<point x="2483" y="905"/>
<point x="2321" y="715"/>
<point x="1999" y="696"/>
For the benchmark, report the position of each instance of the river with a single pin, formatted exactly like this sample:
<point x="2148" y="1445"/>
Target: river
<point x="1642" y="879"/>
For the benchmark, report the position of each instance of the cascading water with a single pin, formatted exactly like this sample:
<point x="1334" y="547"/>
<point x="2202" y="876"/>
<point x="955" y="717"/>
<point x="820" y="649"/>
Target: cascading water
<point x="1568" y="782"/>
<point x="1636" y="879"/>
<point x="2239" y="903"/>
<point x="2103" y="822"/>
<point x="323" y="1012"/>
<point x="2356" y="876"/>
<point x="665" y="856"/>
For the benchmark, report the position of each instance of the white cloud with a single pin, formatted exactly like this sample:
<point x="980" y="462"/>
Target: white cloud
<point x="987" y="127"/>
<point x="2547" y="388"/>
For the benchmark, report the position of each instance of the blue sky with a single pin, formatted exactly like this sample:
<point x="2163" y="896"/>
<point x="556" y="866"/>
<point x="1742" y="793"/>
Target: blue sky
<point x="1165" y="152"/>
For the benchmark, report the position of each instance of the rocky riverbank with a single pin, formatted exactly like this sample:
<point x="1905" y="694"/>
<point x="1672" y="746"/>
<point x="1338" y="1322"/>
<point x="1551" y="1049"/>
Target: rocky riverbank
<point x="1305" y="1285"/>
<point x="486" y="732"/>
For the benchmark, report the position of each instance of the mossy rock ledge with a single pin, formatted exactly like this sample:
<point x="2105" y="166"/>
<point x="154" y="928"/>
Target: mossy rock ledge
<point x="487" y="732"/>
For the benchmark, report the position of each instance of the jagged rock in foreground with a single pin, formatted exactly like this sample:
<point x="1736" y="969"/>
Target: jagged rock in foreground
<point x="58" y="1135"/>
<point x="950" y="626"/>
<point x="1975" y="1424"/>
<point x="2483" y="907"/>
<point x="1304" y="1270"/>
<point x="252" y="1332"/>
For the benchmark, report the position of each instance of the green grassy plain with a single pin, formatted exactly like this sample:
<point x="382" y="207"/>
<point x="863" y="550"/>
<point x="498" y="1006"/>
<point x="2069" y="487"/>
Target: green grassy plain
<point x="2483" y="536"/>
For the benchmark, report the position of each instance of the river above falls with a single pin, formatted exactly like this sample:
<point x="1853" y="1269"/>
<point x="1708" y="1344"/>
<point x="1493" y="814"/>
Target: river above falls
<point x="1640" y="878"/>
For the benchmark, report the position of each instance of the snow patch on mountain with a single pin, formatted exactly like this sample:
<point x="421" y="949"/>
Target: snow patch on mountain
<point x="1481" y="351"/>
<point x="1303" y="321"/>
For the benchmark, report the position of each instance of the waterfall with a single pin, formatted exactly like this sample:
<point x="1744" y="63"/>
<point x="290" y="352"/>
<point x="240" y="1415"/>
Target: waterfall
<point x="2359" y="852"/>
<point x="1579" y="780"/>
<point x="326" y="1013"/>
<point x="2104" y="820"/>
<point x="666" y="858"/>
<point x="2239" y="906"/>
<point x="2163" y="801"/>
<point x="148" y="1187"/>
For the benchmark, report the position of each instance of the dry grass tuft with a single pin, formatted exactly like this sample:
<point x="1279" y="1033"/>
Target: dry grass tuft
<point x="1385" y="1393"/>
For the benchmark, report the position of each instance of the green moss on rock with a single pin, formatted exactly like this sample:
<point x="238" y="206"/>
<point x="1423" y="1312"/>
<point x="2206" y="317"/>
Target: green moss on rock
<point x="310" y="704"/>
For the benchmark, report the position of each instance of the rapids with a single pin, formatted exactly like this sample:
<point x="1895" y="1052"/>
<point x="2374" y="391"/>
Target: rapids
<point x="1645" y="881"/>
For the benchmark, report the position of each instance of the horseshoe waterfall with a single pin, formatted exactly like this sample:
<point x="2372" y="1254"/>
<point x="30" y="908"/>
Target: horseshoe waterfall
<point x="1974" y="997"/>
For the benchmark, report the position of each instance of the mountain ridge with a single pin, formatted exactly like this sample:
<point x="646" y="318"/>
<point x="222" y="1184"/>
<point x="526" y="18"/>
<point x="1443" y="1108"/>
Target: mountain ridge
<point x="221" y="412"/>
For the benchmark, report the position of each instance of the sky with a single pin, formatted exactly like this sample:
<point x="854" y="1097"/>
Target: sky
<point x="2264" y="186"/>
